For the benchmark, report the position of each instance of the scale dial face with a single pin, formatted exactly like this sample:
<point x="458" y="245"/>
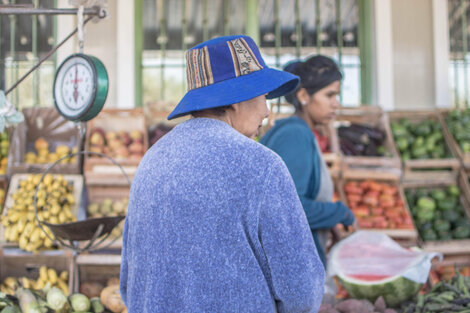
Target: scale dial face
<point x="76" y="84"/>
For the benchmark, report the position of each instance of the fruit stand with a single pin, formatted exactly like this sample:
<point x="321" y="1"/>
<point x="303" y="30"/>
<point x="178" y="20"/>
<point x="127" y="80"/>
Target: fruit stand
<point x="404" y="190"/>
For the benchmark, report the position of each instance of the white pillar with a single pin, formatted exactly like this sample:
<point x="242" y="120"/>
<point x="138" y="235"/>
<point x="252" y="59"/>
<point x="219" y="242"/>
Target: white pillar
<point x="441" y="53"/>
<point x="384" y="53"/>
<point x="125" y="55"/>
<point x="65" y="25"/>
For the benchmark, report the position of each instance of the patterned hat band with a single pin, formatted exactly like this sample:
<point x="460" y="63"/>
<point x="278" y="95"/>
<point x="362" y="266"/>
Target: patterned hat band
<point x="198" y="64"/>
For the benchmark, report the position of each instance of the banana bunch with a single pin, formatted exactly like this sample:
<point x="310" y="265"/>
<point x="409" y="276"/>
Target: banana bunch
<point x="45" y="155"/>
<point x="48" y="278"/>
<point x="54" y="202"/>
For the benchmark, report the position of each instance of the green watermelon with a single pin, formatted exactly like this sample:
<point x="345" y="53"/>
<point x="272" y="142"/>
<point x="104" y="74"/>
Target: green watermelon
<point x="395" y="289"/>
<point x="370" y="265"/>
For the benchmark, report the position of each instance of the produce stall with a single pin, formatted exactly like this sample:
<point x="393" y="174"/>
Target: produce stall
<point x="413" y="192"/>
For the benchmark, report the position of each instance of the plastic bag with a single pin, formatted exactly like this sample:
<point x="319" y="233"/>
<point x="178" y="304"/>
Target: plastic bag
<point x="372" y="254"/>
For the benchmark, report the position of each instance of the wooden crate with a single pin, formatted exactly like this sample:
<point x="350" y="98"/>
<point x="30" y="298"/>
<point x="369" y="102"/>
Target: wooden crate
<point x="98" y="194"/>
<point x="447" y="247"/>
<point x="4" y="187"/>
<point x="96" y="268"/>
<point x="406" y="236"/>
<point x="101" y="171"/>
<point x="374" y="117"/>
<point x="75" y="180"/>
<point x="426" y="169"/>
<point x="17" y="263"/>
<point x="464" y="158"/>
<point x="44" y="123"/>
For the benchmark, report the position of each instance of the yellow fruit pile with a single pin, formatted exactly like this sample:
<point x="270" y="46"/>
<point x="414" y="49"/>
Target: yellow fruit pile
<point x="47" y="278"/>
<point x="108" y="207"/>
<point x="55" y="201"/>
<point x="44" y="156"/>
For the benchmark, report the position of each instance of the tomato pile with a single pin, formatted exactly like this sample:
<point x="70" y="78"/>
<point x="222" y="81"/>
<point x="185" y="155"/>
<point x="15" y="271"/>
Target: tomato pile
<point x="377" y="205"/>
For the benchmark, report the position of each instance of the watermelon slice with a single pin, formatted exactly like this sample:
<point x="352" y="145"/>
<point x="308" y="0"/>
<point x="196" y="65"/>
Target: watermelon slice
<point x="370" y="265"/>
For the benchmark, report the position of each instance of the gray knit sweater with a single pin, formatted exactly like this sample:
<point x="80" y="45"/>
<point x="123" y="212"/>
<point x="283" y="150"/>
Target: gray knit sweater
<point x="215" y="225"/>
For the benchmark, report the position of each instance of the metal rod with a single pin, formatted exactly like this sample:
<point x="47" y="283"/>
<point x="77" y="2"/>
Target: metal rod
<point x="139" y="48"/>
<point x="184" y="31"/>
<point x="13" y="69"/>
<point x="464" y="49"/>
<point x="277" y="42"/>
<point x="252" y="20"/>
<point x="163" y="40"/>
<point x="318" y="24"/>
<point x="277" y="34"/>
<point x="339" y="36"/>
<point x="95" y="11"/>
<point x="34" y="46"/>
<point x="226" y="17"/>
<point x="2" y="67"/>
<point x="205" y="21"/>
<point x="54" y="34"/>
<point x="365" y="52"/>
<point x="456" y="81"/>
<point x="46" y="57"/>
<point x="298" y="30"/>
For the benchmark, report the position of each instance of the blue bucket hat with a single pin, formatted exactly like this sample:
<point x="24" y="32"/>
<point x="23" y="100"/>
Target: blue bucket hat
<point x="227" y="70"/>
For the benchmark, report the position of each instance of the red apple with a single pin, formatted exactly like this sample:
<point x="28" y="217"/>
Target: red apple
<point x="136" y="148"/>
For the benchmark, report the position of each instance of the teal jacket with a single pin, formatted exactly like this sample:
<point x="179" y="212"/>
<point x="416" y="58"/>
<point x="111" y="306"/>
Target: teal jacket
<point x="294" y="142"/>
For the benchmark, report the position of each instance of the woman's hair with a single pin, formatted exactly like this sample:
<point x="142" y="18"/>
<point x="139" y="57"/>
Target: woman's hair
<point x="315" y="73"/>
<point x="218" y="111"/>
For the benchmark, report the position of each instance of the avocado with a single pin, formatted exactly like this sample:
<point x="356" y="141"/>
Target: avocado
<point x="441" y="225"/>
<point x="422" y="192"/>
<point x="446" y="204"/>
<point x="465" y="146"/>
<point x="450" y="215"/>
<point x="438" y="194"/>
<point x="430" y="143"/>
<point x="402" y="143"/>
<point x="461" y="232"/>
<point x="423" y="129"/>
<point x="418" y="152"/>
<point x="453" y="190"/>
<point x="444" y="235"/>
<point x="429" y="235"/>
<point x="426" y="203"/>
<point x="398" y="130"/>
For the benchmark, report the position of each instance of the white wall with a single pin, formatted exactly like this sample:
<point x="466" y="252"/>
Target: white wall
<point x="110" y="41"/>
<point x="383" y="52"/>
<point x="413" y="56"/>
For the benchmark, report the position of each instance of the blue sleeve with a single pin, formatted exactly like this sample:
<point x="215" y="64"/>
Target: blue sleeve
<point x="295" y="147"/>
<point x="296" y="274"/>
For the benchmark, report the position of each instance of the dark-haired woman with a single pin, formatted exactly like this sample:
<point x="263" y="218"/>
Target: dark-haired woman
<point x="315" y="102"/>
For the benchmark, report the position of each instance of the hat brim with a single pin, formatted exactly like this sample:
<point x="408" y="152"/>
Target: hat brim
<point x="269" y="81"/>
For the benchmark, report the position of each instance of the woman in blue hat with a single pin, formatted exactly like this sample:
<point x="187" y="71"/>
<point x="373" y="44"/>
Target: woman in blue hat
<point x="214" y="222"/>
<point x="315" y="101"/>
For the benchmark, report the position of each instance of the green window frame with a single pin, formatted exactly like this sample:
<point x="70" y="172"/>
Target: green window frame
<point x="236" y="16"/>
<point x="23" y="40"/>
<point x="459" y="37"/>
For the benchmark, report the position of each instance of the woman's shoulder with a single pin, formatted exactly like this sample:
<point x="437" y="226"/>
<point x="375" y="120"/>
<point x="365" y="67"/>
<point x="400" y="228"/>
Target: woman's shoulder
<point x="291" y="130"/>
